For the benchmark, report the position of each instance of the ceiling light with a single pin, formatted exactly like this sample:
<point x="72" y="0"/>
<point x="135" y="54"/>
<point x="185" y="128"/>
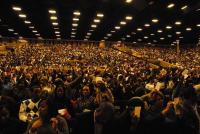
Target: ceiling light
<point x="34" y="31"/>
<point x="198" y="10"/>
<point x="73" y="33"/>
<point x="58" y="35"/>
<point x="147" y="25"/>
<point x="133" y="33"/>
<point x="77" y="13"/>
<point x="85" y="39"/>
<point x="112" y="31"/>
<point x="155" y="41"/>
<point x="11" y="30"/>
<point x="139" y="39"/>
<point x="52" y="11"/>
<point x="117" y="27"/>
<point x="171" y="5"/>
<point x="58" y="38"/>
<point x="162" y="38"/>
<point x="100" y="15"/>
<point x="96" y="20"/>
<point x="75" y="19"/>
<point x="139" y="29"/>
<point x="154" y="20"/>
<point x="91" y="30"/>
<point x="22" y="15"/>
<point x="149" y="43"/>
<point x="159" y="31"/>
<point x="178" y="33"/>
<point x="184" y="7"/>
<point x="16" y="8"/>
<point x="168" y="27"/>
<point x="123" y="23"/>
<point x="134" y="42"/>
<point x="106" y="38"/>
<point x="123" y="38"/>
<point x="74" y="25"/>
<point x="181" y="37"/>
<point x="53" y="18"/>
<point x="27" y="22"/>
<point x="55" y="23"/>
<point x="145" y="37"/>
<point x="31" y="27"/>
<point x="129" y="17"/>
<point x="109" y="35"/>
<point x="152" y="34"/>
<point x="15" y="33"/>
<point x="102" y="40"/>
<point x="89" y="34"/>
<point x="56" y="28"/>
<point x="37" y="34"/>
<point x="188" y="29"/>
<point x="178" y="23"/>
<point x="169" y="36"/>
<point x="128" y="36"/>
<point x="198" y="25"/>
<point x="57" y="32"/>
<point x="93" y="26"/>
<point x="129" y="1"/>
<point x="73" y="29"/>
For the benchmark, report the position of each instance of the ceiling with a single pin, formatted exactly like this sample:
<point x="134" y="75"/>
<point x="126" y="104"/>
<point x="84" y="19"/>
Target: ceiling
<point x="117" y="21"/>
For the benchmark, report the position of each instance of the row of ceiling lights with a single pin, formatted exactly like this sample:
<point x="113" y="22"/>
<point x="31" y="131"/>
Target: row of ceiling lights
<point x="22" y="15"/>
<point x="75" y="21"/>
<point x="54" y="21"/>
<point x="94" y="25"/>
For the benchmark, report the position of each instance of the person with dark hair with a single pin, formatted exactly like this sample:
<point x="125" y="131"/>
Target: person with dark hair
<point x="48" y="120"/>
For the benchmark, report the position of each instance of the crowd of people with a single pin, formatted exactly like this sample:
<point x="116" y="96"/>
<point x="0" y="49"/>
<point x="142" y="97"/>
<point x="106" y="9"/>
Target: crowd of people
<point x="73" y="89"/>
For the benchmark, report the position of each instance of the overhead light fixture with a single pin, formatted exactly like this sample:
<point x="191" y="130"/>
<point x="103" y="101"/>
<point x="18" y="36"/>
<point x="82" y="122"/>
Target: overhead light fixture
<point x="146" y="37"/>
<point x="184" y="7"/>
<point x="178" y="33"/>
<point x="129" y="17"/>
<point x="117" y="27"/>
<point x="159" y="31"/>
<point x="109" y="35"/>
<point x="181" y="37"/>
<point x="51" y="11"/>
<point x="57" y="32"/>
<point x="93" y="26"/>
<point x="56" y="28"/>
<point x="188" y="29"/>
<point x="77" y="13"/>
<point x="162" y="38"/>
<point x="34" y="31"/>
<point x="73" y="32"/>
<point x="27" y="22"/>
<point x="149" y="43"/>
<point x="37" y="34"/>
<point x="16" y="8"/>
<point x="168" y="27"/>
<point x="96" y="20"/>
<point x="22" y="15"/>
<point x="85" y="39"/>
<point x="75" y="19"/>
<point x="15" y="33"/>
<point x="58" y="38"/>
<point x="123" y="38"/>
<point x="139" y="39"/>
<point x="112" y="31"/>
<point x="155" y="41"/>
<point x="55" y="23"/>
<point x="89" y="33"/>
<point x="154" y="20"/>
<point x="198" y="25"/>
<point x="133" y="33"/>
<point x="73" y="29"/>
<point x="128" y="36"/>
<point x="134" y="42"/>
<point x="58" y="35"/>
<point x="171" y="5"/>
<point x="169" y="36"/>
<point x="198" y="10"/>
<point x="129" y="1"/>
<point x="100" y="15"/>
<point x="74" y="25"/>
<point x="139" y="29"/>
<point x="91" y="30"/>
<point x="31" y="27"/>
<point x="123" y="23"/>
<point x="105" y="38"/>
<point x="102" y="40"/>
<point x="11" y="30"/>
<point x="152" y="34"/>
<point x="53" y="18"/>
<point x="178" y="23"/>
<point x="147" y="25"/>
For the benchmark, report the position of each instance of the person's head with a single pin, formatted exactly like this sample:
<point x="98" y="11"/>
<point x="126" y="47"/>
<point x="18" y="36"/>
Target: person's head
<point x="60" y="92"/>
<point x="47" y="109"/>
<point x="36" y="92"/>
<point x="85" y="91"/>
